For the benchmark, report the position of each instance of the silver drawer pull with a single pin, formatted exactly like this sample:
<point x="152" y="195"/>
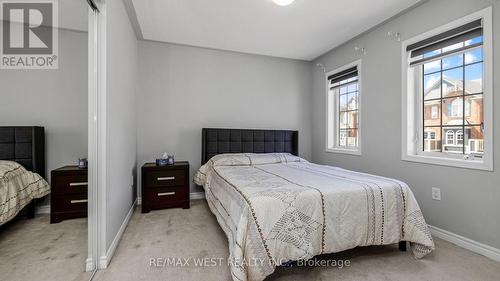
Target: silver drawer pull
<point x="79" y="201"/>
<point x="166" y="194"/>
<point x="166" y="179"/>
<point x="78" y="184"/>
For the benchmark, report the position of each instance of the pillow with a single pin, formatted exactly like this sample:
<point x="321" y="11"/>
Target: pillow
<point x="250" y="159"/>
<point x="243" y="159"/>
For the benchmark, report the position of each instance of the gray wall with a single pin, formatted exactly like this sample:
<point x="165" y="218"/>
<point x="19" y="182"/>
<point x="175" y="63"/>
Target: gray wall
<point x="121" y="60"/>
<point x="54" y="99"/>
<point x="470" y="198"/>
<point x="183" y="89"/>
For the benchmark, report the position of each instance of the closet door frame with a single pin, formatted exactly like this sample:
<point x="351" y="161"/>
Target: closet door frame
<point x="96" y="134"/>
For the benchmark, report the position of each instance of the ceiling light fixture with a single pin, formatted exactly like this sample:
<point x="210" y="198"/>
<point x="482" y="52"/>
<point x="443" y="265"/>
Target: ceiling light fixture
<point x="283" y="2"/>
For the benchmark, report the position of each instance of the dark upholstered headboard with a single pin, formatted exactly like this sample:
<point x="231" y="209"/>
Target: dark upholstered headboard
<point x="217" y="141"/>
<point x="24" y="145"/>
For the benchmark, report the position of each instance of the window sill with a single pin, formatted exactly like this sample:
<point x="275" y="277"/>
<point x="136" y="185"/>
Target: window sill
<point x="344" y="151"/>
<point x="451" y="162"/>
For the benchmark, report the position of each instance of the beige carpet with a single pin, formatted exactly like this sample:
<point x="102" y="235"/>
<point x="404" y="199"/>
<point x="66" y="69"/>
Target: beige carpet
<point x="33" y="249"/>
<point x="194" y="233"/>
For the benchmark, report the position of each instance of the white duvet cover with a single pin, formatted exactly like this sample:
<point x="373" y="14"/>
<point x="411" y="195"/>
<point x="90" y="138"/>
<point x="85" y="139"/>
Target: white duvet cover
<point x="277" y="207"/>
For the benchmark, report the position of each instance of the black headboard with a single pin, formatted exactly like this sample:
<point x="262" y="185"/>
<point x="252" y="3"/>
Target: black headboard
<point x="217" y="141"/>
<point x="24" y="145"/>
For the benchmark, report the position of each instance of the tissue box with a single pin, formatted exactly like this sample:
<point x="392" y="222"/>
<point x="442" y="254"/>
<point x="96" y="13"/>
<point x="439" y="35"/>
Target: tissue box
<point x="162" y="162"/>
<point x="82" y="163"/>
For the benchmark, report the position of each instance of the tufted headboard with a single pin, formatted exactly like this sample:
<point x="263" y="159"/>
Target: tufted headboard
<point x="217" y="141"/>
<point x="24" y="145"/>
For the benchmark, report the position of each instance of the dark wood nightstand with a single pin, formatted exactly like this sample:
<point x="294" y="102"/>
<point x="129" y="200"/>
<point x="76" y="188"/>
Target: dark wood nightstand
<point x="68" y="197"/>
<point x="165" y="186"/>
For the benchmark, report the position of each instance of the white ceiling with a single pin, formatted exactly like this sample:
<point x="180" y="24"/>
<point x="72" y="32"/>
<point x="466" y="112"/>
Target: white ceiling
<point x="304" y="30"/>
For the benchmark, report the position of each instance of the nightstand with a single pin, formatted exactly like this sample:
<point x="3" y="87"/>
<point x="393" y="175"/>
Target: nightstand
<point x="165" y="186"/>
<point x="68" y="196"/>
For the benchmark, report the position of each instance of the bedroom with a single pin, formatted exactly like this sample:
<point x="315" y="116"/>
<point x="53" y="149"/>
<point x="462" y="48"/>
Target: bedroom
<point x="169" y="69"/>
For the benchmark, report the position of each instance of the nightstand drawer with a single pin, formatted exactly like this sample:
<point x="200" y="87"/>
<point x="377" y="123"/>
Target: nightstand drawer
<point x="71" y="203"/>
<point x="70" y="184"/>
<point x="165" y="186"/>
<point x="166" y="178"/>
<point x="162" y="197"/>
<point x="68" y="196"/>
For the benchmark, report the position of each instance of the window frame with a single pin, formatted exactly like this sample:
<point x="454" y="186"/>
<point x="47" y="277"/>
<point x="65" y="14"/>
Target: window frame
<point x="411" y="101"/>
<point x="332" y="115"/>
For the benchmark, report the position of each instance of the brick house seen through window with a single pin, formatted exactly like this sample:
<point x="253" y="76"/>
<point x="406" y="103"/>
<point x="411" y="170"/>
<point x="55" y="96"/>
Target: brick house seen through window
<point x="453" y="106"/>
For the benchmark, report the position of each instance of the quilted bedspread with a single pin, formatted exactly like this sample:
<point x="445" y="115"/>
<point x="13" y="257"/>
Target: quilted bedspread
<point x="17" y="188"/>
<point x="277" y="207"/>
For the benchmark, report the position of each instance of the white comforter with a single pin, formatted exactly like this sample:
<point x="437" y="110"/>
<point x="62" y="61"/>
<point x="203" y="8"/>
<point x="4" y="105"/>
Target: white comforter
<point x="17" y="188"/>
<point x="277" y="207"/>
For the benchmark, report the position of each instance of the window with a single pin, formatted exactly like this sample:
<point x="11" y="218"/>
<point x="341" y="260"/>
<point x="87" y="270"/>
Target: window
<point x="450" y="137"/>
<point x="448" y="93"/>
<point x="435" y="112"/>
<point x="459" y="138"/>
<point x="456" y="108"/>
<point x="430" y="135"/>
<point x="343" y="110"/>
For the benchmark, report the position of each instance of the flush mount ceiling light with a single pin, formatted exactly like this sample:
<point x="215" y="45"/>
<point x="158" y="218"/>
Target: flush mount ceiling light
<point x="283" y="2"/>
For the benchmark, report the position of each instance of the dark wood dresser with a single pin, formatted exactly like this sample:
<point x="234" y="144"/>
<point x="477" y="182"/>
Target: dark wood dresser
<point x="68" y="198"/>
<point x="165" y="186"/>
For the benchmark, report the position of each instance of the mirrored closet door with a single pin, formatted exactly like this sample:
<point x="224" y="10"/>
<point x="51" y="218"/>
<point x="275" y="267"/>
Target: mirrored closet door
<point x="44" y="133"/>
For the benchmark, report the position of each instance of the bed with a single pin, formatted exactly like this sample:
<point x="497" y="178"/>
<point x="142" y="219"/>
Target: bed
<point x="276" y="207"/>
<point x="22" y="170"/>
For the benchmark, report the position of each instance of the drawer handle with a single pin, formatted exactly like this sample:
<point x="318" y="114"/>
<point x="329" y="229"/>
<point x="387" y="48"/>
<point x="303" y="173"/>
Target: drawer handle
<point x="166" y="194"/>
<point x="166" y="179"/>
<point x="79" y="201"/>
<point x="78" y="184"/>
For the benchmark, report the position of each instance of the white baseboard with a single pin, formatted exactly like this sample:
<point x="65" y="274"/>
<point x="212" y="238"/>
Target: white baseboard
<point x="42" y="210"/>
<point x="89" y="265"/>
<point x="192" y="196"/>
<point x="105" y="260"/>
<point x="464" y="242"/>
<point x="197" y="195"/>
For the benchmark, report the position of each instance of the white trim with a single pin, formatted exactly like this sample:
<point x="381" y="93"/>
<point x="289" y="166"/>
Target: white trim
<point x="411" y="135"/>
<point x="453" y="162"/>
<point x="102" y="135"/>
<point x="344" y="151"/>
<point x="197" y="195"/>
<point x="89" y="265"/>
<point x="466" y="243"/>
<point x="97" y="137"/>
<point x="106" y="259"/>
<point x="42" y="210"/>
<point x="92" y="249"/>
<point x="139" y="200"/>
<point x="336" y="149"/>
<point x="95" y="33"/>
<point x="103" y="262"/>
